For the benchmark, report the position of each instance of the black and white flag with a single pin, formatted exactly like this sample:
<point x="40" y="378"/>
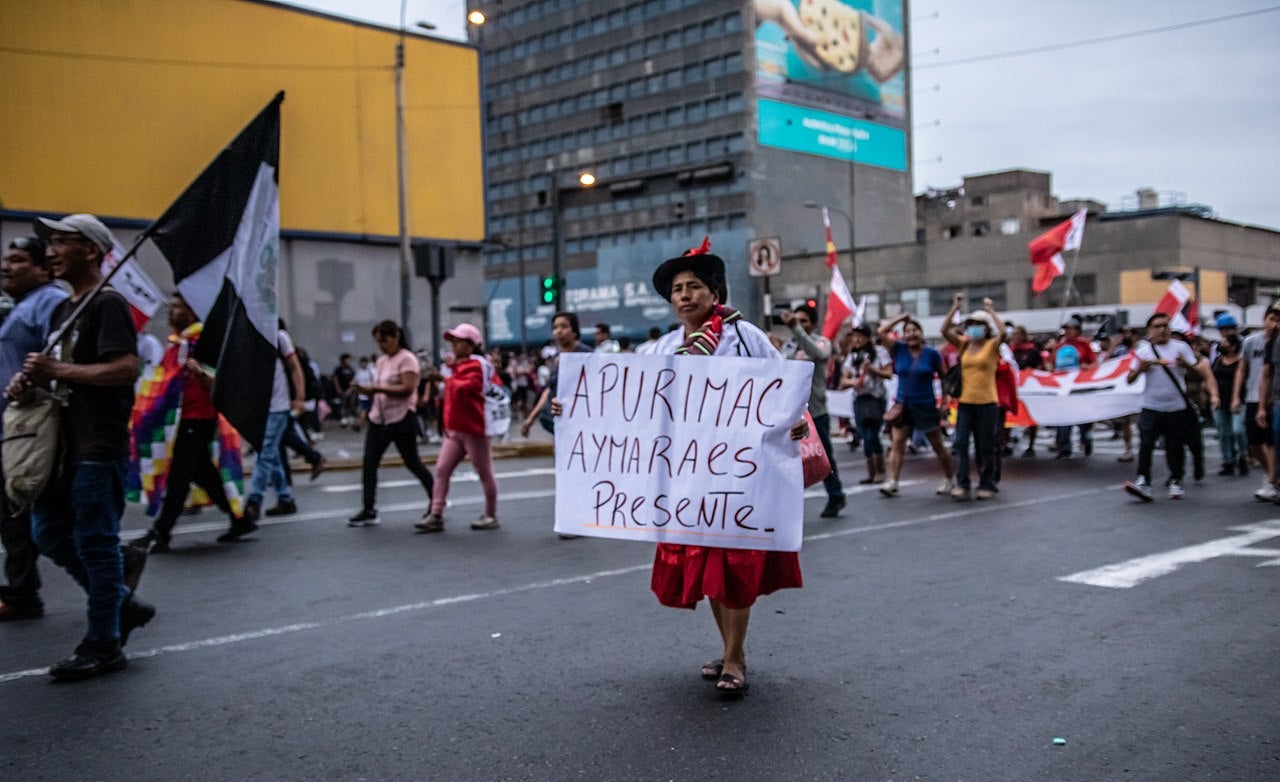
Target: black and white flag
<point x="222" y="238"/>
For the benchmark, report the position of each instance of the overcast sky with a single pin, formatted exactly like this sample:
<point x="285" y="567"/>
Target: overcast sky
<point x="1192" y="113"/>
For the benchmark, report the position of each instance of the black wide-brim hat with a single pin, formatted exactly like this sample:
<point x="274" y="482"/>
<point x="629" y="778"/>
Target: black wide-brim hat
<point x="705" y="266"/>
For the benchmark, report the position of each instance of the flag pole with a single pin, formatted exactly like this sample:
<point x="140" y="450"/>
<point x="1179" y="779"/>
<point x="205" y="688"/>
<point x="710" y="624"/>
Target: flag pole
<point x="1071" y="281"/>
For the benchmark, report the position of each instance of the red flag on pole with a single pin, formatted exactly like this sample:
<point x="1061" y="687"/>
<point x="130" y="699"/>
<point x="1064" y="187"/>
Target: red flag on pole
<point x="1047" y="248"/>
<point x="1180" y="307"/>
<point x="839" y="299"/>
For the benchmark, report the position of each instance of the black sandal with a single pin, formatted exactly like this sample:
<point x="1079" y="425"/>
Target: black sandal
<point x="712" y="670"/>
<point x="737" y="685"/>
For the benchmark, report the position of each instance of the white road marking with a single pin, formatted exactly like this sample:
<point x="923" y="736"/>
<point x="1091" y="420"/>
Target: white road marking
<point x="970" y="510"/>
<point x="201" y="527"/>
<point x="1128" y="574"/>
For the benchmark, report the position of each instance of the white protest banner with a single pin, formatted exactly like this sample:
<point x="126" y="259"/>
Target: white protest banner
<point x="681" y="449"/>
<point x="1080" y="396"/>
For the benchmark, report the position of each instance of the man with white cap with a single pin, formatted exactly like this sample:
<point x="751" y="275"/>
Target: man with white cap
<point x="76" y="521"/>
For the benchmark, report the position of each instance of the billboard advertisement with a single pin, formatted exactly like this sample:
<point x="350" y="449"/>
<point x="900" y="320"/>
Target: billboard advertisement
<point x="820" y="64"/>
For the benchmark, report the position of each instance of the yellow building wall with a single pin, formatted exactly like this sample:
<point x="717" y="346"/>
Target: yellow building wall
<point x="114" y="106"/>
<point x="1137" y="287"/>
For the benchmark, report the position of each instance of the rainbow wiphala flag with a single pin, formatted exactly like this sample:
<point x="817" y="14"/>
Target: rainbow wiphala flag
<point x="153" y="425"/>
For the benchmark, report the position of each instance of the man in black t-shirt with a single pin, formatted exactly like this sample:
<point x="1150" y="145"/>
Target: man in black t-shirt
<point x="76" y="521"/>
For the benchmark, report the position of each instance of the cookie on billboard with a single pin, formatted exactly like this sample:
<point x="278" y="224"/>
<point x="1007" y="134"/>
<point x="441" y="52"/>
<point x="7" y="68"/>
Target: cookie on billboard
<point x="839" y="30"/>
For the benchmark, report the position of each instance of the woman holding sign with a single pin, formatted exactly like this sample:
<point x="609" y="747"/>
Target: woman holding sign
<point x="731" y="579"/>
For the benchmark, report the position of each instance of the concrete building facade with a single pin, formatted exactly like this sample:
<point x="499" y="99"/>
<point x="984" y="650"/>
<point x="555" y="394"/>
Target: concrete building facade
<point x="974" y="238"/>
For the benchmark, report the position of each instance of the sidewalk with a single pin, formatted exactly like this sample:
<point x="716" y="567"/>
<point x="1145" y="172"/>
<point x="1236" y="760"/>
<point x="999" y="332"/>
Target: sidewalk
<point x="343" y="449"/>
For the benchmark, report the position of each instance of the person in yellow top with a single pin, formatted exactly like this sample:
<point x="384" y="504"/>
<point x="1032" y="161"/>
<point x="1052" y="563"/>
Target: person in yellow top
<point x="978" y="416"/>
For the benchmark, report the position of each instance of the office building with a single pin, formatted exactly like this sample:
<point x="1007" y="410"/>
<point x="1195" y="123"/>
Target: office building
<point x="694" y="118"/>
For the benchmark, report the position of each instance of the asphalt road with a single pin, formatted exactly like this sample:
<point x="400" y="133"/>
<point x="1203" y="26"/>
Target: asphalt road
<point x="933" y="640"/>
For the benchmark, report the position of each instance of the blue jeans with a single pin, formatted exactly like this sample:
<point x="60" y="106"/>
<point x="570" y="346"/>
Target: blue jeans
<point x="76" y="523"/>
<point x="268" y="467"/>
<point x="1230" y="433"/>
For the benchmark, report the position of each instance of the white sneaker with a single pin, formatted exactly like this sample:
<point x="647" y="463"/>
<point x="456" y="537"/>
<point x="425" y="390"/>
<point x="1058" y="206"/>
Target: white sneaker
<point x="1266" y="493"/>
<point x="1140" y="489"/>
<point x="1175" y="490"/>
<point x="944" y="488"/>
<point x="890" y="488"/>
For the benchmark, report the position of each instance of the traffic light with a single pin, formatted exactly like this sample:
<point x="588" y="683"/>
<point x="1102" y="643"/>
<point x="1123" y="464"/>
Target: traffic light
<point x="548" y="290"/>
<point x="811" y="303"/>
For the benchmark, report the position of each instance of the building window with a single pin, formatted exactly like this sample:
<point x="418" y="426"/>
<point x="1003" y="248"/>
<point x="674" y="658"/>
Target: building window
<point x="951" y="231"/>
<point x="978" y="201"/>
<point x="1010" y="226"/>
<point x="980" y="228"/>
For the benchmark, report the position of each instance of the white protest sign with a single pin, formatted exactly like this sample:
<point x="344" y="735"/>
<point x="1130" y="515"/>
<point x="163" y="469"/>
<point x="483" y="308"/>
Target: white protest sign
<point x="681" y="449"/>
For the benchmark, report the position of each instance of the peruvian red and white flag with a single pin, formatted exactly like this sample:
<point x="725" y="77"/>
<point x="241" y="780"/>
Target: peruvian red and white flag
<point x="840" y="304"/>
<point x="135" y="285"/>
<point x="1180" y="307"/>
<point x="1047" y="248"/>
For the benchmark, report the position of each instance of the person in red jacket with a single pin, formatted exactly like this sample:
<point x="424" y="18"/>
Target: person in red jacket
<point x="464" y="429"/>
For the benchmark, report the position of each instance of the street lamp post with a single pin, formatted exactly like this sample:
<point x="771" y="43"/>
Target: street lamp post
<point x="853" y="260"/>
<point x="478" y="24"/>
<point x="585" y="179"/>
<point x="402" y="196"/>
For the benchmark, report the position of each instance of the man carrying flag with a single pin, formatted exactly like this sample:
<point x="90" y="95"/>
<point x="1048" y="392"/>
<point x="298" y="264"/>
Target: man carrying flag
<point x="76" y="521"/>
<point x="1047" y="248"/>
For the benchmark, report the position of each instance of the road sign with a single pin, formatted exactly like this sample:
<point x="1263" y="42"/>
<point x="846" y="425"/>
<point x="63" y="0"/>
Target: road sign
<point x="765" y="256"/>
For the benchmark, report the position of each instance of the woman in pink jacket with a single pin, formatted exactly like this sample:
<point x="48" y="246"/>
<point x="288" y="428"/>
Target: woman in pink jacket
<point x="464" y="429"/>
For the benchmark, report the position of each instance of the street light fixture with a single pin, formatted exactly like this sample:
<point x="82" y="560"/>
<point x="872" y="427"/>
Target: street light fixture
<point x="853" y="261"/>
<point x="585" y="179"/>
<point x="476" y="17"/>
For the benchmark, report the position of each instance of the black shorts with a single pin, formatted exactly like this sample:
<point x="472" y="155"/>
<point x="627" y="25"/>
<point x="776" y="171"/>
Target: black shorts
<point x="924" y="418"/>
<point x="1254" y="434"/>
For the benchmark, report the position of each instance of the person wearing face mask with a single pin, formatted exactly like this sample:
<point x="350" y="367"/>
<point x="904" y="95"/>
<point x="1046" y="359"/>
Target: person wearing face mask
<point x="978" y="413"/>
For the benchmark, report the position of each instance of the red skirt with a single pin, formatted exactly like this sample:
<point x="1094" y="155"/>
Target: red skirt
<point x="683" y="575"/>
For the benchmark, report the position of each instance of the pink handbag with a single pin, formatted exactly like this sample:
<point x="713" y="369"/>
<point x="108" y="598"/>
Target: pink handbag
<point x="812" y="455"/>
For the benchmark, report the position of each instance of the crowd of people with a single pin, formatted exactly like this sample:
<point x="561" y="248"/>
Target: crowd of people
<point x="951" y="396"/>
